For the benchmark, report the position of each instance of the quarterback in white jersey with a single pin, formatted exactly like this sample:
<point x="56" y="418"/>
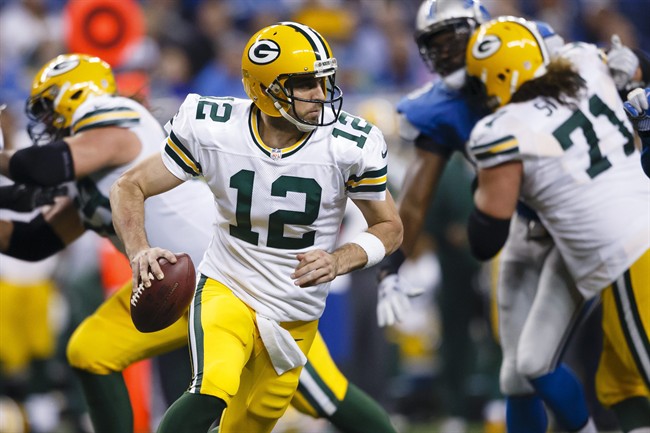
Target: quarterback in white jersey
<point x="273" y="203"/>
<point x="280" y="168"/>
<point x="564" y="147"/>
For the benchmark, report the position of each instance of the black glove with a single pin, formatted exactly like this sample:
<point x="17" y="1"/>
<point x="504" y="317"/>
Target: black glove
<point x="25" y="198"/>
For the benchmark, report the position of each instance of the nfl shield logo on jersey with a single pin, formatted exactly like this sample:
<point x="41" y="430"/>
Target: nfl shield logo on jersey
<point x="276" y="154"/>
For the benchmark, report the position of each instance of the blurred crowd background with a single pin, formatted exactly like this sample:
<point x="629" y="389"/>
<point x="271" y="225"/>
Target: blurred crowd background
<point x="439" y="366"/>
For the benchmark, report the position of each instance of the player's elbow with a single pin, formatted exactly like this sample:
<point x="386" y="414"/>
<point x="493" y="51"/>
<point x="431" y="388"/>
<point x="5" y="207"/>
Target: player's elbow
<point x="486" y="234"/>
<point x="123" y="186"/>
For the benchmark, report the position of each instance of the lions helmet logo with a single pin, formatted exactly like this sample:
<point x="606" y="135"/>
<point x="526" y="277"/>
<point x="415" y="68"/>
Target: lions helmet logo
<point x="263" y="52"/>
<point x="486" y="46"/>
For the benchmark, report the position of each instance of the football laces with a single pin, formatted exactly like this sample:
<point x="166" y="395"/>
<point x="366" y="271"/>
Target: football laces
<point x="135" y="296"/>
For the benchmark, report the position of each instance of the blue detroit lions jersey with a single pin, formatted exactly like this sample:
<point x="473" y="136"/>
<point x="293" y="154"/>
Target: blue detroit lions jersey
<point x="446" y="116"/>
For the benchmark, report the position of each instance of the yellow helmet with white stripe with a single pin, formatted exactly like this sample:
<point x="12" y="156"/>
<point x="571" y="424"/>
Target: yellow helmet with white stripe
<point x="504" y="53"/>
<point x="280" y="52"/>
<point x="60" y="87"/>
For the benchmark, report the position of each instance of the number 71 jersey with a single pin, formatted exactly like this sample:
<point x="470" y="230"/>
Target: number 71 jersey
<point x="581" y="171"/>
<point x="273" y="203"/>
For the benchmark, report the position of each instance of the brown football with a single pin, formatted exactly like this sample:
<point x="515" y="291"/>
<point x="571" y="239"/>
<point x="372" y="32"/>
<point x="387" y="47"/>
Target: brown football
<point x="165" y="301"/>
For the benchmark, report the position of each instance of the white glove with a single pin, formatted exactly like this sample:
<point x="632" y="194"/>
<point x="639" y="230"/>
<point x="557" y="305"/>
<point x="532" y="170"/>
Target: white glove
<point x="622" y="62"/>
<point x="636" y="108"/>
<point x="393" y="299"/>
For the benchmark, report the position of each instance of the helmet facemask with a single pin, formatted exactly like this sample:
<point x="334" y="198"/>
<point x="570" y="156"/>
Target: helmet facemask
<point x="443" y="48"/>
<point x="45" y="124"/>
<point x="282" y="93"/>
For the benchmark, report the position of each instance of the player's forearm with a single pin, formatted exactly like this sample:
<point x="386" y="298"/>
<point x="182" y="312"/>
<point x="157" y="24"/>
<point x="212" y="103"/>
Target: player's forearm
<point x="30" y="241"/>
<point x="418" y="191"/>
<point x="379" y="241"/>
<point x="413" y="219"/>
<point x="127" y="205"/>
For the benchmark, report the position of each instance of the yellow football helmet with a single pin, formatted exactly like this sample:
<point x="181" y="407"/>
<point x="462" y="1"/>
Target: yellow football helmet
<point x="282" y="51"/>
<point x="59" y="88"/>
<point x="504" y="53"/>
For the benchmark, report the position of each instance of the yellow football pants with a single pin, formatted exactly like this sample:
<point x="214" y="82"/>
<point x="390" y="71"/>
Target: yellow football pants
<point x="624" y="369"/>
<point x="107" y="342"/>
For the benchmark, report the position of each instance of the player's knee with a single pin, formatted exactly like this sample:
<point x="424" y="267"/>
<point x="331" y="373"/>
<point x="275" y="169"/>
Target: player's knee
<point x="81" y="353"/>
<point x="511" y="382"/>
<point x="272" y="400"/>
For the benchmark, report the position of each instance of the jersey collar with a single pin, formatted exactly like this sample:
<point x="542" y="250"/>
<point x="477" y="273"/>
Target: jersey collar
<point x="253" y="119"/>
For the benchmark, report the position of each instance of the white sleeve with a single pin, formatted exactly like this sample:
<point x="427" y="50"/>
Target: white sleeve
<point x="366" y="177"/>
<point x="491" y="144"/>
<point x="180" y="152"/>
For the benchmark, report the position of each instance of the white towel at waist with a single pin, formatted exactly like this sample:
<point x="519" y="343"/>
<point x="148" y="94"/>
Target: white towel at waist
<point x="282" y="348"/>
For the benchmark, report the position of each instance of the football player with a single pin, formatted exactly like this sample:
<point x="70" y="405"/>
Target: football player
<point x="636" y="108"/>
<point x="93" y="136"/>
<point x="281" y="166"/>
<point x="438" y="119"/>
<point x="560" y="142"/>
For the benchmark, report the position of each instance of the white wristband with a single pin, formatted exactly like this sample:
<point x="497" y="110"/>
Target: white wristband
<point x="373" y="247"/>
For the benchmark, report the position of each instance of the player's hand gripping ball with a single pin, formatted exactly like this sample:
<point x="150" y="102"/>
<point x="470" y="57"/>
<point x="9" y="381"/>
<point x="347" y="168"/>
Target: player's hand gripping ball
<point x="164" y="302"/>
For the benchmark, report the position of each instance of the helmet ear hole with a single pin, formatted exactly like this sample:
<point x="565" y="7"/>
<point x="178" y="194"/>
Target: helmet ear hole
<point x="76" y="95"/>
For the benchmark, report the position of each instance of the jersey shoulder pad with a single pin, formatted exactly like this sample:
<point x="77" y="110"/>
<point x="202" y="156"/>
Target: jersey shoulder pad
<point x="106" y="110"/>
<point x="362" y="153"/>
<point x="181" y="147"/>
<point x="493" y="141"/>
<point x="356" y="134"/>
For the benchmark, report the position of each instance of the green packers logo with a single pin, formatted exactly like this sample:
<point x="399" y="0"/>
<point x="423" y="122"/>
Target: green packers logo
<point x="263" y="52"/>
<point x="486" y="46"/>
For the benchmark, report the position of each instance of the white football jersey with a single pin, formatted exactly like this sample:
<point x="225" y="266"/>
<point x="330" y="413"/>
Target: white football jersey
<point x="581" y="172"/>
<point x="273" y="203"/>
<point x="179" y="220"/>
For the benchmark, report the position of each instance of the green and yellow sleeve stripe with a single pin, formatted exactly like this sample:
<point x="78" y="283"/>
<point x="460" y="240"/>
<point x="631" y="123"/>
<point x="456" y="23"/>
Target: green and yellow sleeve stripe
<point x="503" y="146"/>
<point x="120" y="116"/>
<point x="181" y="155"/>
<point x="370" y="181"/>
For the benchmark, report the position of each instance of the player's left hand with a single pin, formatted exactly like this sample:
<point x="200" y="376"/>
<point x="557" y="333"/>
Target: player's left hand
<point x="393" y="299"/>
<point x="314" y="267"/>
<point x="636" y="108"/>
<point x="622" y="62"/>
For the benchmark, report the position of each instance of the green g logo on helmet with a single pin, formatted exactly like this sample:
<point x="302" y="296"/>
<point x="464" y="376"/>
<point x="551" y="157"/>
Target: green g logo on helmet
<point x="263" y="52"/>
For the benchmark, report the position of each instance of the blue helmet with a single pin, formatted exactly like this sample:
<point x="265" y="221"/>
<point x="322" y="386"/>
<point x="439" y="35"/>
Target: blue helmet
<point x="442" y="30"/>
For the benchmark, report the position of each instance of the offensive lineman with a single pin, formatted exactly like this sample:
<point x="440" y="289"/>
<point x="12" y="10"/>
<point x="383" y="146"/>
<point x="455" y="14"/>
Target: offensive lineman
<point x="561" y="143"/>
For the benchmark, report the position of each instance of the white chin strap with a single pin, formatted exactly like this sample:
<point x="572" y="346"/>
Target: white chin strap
<point x="303" y="127"/>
